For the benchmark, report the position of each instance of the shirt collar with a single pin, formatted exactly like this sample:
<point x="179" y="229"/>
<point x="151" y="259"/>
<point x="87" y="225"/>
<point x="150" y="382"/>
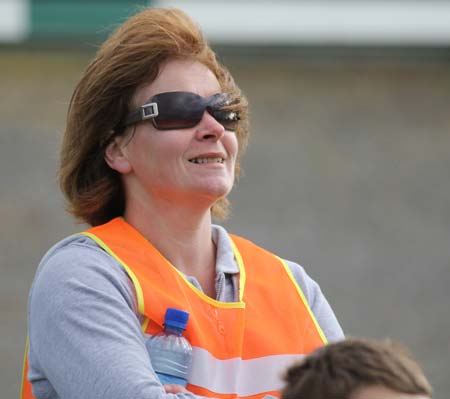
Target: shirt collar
<point x="225" y="261"/>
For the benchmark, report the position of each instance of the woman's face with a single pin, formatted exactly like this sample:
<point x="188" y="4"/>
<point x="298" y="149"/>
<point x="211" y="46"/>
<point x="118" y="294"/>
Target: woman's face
<point x="194" y="164"/>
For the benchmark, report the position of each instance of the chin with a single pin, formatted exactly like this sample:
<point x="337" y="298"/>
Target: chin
<point x="214" y="191"/>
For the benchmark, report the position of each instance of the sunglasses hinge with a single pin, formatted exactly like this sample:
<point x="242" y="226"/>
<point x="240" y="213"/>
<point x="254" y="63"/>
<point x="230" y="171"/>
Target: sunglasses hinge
<point x="149" y="111"/>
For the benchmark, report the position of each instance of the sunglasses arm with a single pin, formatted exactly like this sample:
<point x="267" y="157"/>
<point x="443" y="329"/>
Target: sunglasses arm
<point x="146" y="111"/>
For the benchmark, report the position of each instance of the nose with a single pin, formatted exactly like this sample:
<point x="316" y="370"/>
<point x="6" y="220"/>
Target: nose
<point x="208" y="128"/>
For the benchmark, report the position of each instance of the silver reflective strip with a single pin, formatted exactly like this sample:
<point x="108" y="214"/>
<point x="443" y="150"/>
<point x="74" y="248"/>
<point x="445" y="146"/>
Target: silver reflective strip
<point x="243" y="377"/>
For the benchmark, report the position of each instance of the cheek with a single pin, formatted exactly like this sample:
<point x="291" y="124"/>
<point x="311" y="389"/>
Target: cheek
<point x="141" y="153"/>
<point x="232" y="145"/>
<point x="152" y="147"/>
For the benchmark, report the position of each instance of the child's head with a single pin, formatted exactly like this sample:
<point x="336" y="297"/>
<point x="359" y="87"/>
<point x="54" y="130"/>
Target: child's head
<point x="357" y="369"/>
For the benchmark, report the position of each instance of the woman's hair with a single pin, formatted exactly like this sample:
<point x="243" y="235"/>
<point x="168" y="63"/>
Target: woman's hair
<point x="129" y="59"/>
<point x="339" y="369"/>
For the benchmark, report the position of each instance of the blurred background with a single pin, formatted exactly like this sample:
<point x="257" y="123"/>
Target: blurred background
<point x="347" y="171"/>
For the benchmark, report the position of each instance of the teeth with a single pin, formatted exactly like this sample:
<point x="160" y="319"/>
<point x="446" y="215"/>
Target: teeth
<point x="207" y="160"/>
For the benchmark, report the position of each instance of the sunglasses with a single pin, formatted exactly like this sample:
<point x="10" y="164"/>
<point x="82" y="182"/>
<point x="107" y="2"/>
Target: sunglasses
<point x="183" y="110"/>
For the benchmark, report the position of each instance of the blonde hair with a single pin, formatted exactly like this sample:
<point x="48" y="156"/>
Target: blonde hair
<point x="338" y="370"/>
<point x="128" y="59"/>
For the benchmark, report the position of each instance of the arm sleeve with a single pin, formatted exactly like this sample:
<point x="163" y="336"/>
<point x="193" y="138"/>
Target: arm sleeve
<point x="318" y="303"/>
<point x="84" y="333"/>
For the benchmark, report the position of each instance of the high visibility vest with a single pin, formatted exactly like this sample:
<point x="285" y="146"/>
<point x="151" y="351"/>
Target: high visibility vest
<point x="240" y="349"/>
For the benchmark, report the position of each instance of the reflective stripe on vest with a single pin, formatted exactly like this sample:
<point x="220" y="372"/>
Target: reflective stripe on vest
<point x="239" y="348"/>
<point x="219" y="375"/>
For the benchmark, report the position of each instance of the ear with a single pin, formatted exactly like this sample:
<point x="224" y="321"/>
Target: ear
<point x="116" y="155"/>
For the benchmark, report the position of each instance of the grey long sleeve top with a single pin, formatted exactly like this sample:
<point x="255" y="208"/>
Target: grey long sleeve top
<point x="85" y="338"/>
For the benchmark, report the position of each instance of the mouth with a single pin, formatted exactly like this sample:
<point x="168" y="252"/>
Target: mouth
<point x="202" y="160"/>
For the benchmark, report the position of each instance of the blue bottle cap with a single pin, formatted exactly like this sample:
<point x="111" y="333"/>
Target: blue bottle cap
<point x="176" y="318"/>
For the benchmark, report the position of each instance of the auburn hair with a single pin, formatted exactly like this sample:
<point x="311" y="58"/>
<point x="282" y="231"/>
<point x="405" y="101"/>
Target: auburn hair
<point x="338" y="370"/>
<point x="129" y="59"/>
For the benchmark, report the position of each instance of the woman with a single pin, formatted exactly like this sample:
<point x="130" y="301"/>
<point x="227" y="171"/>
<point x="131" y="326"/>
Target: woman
<point x="155" y="130"/>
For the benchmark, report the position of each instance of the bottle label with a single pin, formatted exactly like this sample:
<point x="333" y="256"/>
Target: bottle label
<point x="171" y="379"/>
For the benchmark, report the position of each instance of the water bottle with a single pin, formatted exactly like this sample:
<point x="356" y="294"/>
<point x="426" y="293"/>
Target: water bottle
<point x="170" y="352"/>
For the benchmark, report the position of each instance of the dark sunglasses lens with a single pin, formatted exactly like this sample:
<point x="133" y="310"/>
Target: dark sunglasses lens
<point x="228" y="125"/>
<point x="183" y="110"/>
<point x="178" y="110"/>
<point x="174" y="123"/>
<point x="228" y="119"/>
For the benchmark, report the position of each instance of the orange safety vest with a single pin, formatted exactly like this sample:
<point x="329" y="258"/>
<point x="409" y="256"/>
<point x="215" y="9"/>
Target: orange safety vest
<point x="239" y="348"/>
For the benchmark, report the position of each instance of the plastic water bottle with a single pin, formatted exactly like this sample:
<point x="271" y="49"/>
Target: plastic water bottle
<point x="170" y="352"/>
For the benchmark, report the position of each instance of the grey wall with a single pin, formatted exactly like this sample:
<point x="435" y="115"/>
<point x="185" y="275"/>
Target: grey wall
<point x="346" y="173"/>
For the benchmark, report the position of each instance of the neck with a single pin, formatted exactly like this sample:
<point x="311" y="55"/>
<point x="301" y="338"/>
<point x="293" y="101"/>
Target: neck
<point x="181" y="233"/>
